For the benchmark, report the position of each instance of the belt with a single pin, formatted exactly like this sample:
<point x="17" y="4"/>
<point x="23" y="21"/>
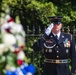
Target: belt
<point x="57" y="61"/>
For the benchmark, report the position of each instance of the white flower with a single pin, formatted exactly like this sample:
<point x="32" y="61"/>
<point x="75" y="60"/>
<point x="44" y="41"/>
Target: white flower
<point x="29" y="73"/>
<point x="10" y="68"/>
<point x="20" y="40"/>
<point x="3" y="27"/>
<point x="2" y="46"/>
<point x="19" y="71"/>
<point x="21" y="55"/>
<point x="9" y="39"/>
<point x="7" y="17"/>
<point x="12" y="48"/>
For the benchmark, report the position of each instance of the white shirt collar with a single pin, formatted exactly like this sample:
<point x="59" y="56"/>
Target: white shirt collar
<point x="57" y="34"/>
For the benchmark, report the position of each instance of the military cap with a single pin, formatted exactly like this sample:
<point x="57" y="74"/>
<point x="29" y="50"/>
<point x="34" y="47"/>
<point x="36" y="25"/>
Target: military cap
<point x="56" y="19"/>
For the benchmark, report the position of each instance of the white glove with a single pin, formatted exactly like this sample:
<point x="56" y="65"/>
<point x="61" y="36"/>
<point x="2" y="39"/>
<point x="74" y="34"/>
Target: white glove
<point x="49" y="29"/>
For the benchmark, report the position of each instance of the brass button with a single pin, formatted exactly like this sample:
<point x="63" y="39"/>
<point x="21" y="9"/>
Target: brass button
<point x="50" y="50"/>
<point x="56" y="46"/>
<point x="57" y="56"/>
<point x="57" y="51"/>
<point x="46" y="50"/>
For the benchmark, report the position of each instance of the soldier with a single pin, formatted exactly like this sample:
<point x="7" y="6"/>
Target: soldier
<point x="58" y="48"/>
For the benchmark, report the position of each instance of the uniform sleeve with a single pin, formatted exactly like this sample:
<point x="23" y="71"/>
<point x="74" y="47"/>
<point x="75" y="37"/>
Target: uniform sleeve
<point x="39" y="45"/>
<point x="73" y="57"/>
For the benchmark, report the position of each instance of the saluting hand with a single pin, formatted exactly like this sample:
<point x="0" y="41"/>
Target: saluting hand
<point x="49" y="29"/>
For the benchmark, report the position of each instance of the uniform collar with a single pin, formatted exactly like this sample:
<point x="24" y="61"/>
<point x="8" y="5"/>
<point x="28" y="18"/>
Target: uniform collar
<point x="61" y="37"/>
<point x="57" y="34"/>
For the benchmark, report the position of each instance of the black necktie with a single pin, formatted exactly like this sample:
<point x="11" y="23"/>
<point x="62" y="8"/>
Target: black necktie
<point x="56" y="37"/>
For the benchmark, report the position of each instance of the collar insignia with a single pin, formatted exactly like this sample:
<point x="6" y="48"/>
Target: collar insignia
<point x="51" y="36"/>
<point x="62" y="36"/>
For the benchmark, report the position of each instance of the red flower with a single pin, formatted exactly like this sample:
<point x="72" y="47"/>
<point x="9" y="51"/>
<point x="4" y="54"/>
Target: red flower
<point x="17" y="50"/>
<point x="22" y="47"/>
<point x="10" y="20"/>
<point x="7" y="30"/>
<point x="19" y="62"/>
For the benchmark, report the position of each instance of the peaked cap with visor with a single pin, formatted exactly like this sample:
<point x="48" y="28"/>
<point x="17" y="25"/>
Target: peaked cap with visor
<point x="56" y="19"/>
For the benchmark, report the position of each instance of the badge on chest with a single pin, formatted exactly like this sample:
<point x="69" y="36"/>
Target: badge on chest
<point x="66" y="43"/>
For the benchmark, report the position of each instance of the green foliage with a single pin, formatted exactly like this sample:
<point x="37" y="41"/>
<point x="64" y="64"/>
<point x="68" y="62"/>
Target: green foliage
<point x="68" y="12"/>
<point x="39" y="12"/>
<point x="11" y="59"/>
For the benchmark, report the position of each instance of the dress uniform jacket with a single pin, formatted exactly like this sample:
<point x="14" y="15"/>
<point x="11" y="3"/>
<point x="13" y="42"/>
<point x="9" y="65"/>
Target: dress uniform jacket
<point x="62" y="49"/>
